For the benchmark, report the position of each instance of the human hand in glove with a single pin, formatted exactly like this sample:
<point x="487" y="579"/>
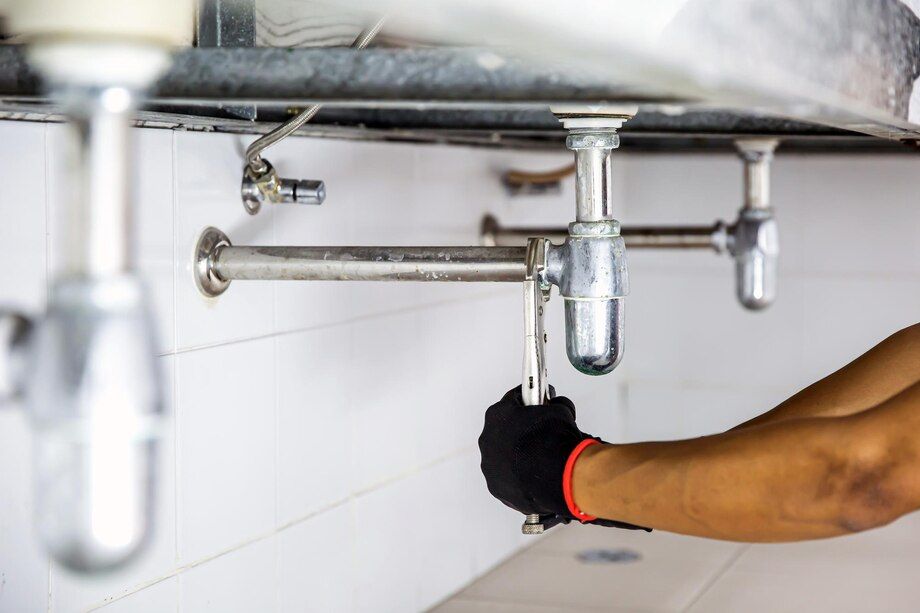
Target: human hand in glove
<point x="529" y="454"/>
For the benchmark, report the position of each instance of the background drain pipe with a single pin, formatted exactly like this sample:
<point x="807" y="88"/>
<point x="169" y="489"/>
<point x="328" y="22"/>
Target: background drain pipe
<point x="752" y="239"/>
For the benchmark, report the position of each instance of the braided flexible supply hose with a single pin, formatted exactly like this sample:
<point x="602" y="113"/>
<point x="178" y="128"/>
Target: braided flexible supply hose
<point x="254" y="151"/>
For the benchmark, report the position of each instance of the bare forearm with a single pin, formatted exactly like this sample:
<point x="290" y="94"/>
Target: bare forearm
<point x="790" y="480"/>
<point x="881" y="373"/>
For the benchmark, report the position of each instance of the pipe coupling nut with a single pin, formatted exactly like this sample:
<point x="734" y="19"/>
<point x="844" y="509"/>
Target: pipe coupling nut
<point x="594" y="229"/>
<point x="592" y="139"/>
<point x="589" y="266"/>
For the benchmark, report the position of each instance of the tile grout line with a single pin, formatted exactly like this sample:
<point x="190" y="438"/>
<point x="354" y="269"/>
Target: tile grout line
<point x="342" y="323"/>
<point x="498" y="601"/>
<point x="708" y="585"/>
<point x="175" y="364"/>
<point x="47" y="233"/>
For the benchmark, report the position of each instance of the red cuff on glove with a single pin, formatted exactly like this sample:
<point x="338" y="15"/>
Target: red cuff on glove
<point x="567" y="480"/>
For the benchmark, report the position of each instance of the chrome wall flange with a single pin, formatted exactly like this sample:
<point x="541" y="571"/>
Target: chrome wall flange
<point x="209" y="244"/>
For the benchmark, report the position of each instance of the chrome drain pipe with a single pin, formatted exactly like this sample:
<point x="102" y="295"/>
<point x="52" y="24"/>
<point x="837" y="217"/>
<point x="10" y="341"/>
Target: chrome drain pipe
<point x="91" y="386"/>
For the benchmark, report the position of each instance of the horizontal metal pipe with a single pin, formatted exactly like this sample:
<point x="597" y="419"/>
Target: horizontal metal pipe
<point x="671" y="237"/>
<point x="637" y="237"/>
<point x="370" y="263"/>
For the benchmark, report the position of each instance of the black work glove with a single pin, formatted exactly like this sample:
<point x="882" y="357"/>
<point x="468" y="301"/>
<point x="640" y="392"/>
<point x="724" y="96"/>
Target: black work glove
<point x="524" y="451"/>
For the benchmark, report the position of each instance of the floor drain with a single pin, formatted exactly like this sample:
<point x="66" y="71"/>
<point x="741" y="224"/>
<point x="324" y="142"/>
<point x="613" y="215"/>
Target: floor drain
<point x="609" y="556"/>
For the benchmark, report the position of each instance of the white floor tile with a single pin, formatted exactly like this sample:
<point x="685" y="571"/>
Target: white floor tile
<point x="831" y="587"/>
<point x="563" y="581"/>
<point x="670" y="573"/>
<point x="226" y="445"/>
<point x="485" y="606"/>
<point x="897" y="543"/>
<point x="315" y="563"/>
<point x="241" y="581"/>
<point x="652" y="546"/>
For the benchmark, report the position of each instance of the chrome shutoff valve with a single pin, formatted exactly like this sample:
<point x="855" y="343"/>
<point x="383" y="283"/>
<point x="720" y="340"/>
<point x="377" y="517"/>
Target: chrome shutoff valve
<point x="266" y="186"/>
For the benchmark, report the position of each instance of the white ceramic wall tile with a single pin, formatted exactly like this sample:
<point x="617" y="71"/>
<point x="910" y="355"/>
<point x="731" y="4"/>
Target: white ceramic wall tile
<point x="22" y="206"/>
<point x="311" y="304"/>
<point x="452" y="187"/>
<point x="313" y="420"/>
<point x="679" y="189"/>
<point x="385" y="558"/>
<point x="241" y="581"/>
<point x="381" y="212"/>
<point x="161" y="597"/>
<point x="846" y="317"/>
<point x="155" y="196"/>
<point x="315" y="563"/>
<point x="548" y="209"/>
<point x="496" y="528"/>
<point x="859" y="213"/>
<point x="691" y="328"/>
<point x="658" y="410"/>
<point x="682" y="190"/>
<point x="23" y="565"/>
<point x="73" y="592"/>
<point x="208" y="172"/>
<point x="444" y="558"/>
<point x="384" y="399"/>
<point x="226" y="446"/>
<point x="454" y="390"/>
<point x="405" y="377"/>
